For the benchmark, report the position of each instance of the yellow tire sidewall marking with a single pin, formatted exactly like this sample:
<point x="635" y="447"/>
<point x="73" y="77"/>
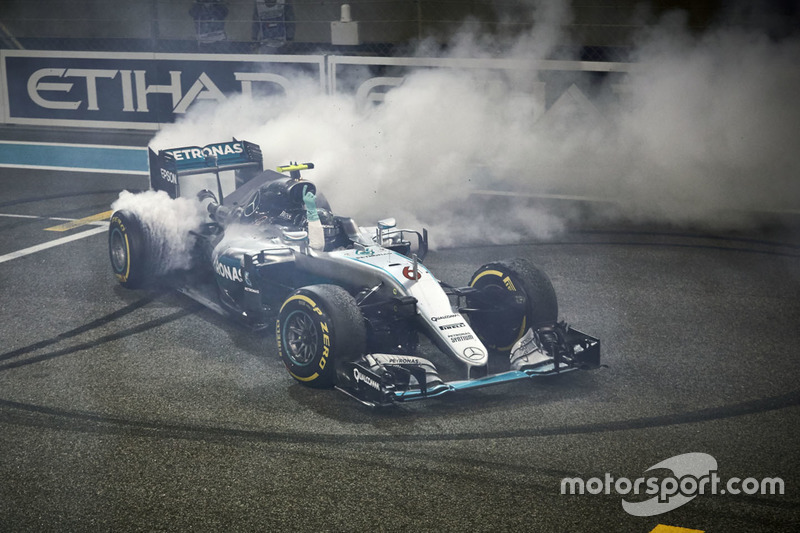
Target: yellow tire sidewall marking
<point x="121" y="228"/>
<point x="127" y="256"/>
<point x="303" y="298"/>
<point x="502" y="277"/>
<point x="316" y="309"/>
<point x="486" y="273"/>
<point x="312" y="377"/>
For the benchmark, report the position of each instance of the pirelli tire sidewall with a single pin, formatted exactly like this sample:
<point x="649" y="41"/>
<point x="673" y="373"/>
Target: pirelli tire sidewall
<point x="129" y="250"/>
<point x="332" y="329"/>
<point x="507" y="281"/>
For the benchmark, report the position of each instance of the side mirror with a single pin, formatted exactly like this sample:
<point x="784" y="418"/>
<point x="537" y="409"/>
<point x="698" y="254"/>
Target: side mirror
<point x="296" y="237"/>
<point x="383" y="225"/>
<point x="387" y="223"/>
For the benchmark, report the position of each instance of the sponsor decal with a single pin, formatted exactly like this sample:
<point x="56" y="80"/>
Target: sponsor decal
<point x="197" y="152"/>
<point x="139" y="90"/>
<point x="231" y="273"/>
<point x="130" y="89"/>
<point x="408" y="272"/>
<point x="452" y="326"/>
<point x="473" y="354"/>
<point x="444" y="317"/>
<point x="326" y="342"/>
<point x="169" y="176"/>
<point x="401" y="360"/>
<point x="358" y="376"/>
<point x="461" y="337"/>
<point x="371" y="252"/>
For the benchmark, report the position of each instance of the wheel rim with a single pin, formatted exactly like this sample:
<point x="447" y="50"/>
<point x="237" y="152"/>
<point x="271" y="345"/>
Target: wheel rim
<point x="119" y="251"/>
<point x="300" y="338"/>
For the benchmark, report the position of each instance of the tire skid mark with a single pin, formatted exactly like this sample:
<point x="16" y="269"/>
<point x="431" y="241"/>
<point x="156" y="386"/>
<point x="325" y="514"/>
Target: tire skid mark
<point x="737" y="244"/>
<point x="98" y="322"/>
<point x="679" y="235"/>
<point x="151" y="324"/>
<point x="26" y="414"/>
<point x="645" y="244"/>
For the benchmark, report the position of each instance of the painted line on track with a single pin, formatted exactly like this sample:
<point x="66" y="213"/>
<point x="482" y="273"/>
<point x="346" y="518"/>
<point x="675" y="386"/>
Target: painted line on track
<point x="98" y="222"/>
<point x="74" y="157"/>
<point x="35" y="217"/>
<point x="72" y="224"/>
<point x="53" y="244"/>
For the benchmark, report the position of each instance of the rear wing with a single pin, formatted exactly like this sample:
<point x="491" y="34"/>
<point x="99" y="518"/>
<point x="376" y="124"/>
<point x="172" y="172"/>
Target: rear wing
<point x="167" y="165"/>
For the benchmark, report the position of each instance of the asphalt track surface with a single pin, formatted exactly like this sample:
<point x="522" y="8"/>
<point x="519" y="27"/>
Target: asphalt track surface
<point x="141" y="411"/>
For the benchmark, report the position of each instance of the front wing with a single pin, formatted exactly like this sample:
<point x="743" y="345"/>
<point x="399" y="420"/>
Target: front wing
<point x="384" y="379"/>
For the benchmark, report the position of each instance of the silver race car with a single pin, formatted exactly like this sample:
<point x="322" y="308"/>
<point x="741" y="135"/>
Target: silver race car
<point x="348" y="302"/>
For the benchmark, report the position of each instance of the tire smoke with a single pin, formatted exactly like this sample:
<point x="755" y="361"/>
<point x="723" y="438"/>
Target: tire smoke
<point x="168" y="222"/>
<point x="702" y="132"/>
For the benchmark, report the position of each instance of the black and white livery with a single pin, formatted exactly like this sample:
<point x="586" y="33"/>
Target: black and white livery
<point x="348" y="308"/>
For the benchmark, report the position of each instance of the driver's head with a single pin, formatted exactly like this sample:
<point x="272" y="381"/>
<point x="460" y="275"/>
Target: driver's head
<point x="284" y="195"/>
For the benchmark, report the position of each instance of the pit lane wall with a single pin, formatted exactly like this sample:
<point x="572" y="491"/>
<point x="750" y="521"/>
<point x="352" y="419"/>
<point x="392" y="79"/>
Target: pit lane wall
<point x="145" y="90"/>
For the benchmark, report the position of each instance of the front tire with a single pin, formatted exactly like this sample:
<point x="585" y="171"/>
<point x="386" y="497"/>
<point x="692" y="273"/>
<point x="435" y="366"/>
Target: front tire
<point x="129" y="249"/>
<point x="514" y="296"/>
<point x="318" y="329"/>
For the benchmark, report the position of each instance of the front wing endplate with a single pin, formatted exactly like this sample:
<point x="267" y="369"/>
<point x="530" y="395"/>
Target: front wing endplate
<point x="383" y="379"/>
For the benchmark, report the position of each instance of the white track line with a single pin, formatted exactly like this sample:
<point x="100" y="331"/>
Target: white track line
<point x="76" y="169"/>
<point x="57" y="219"/>
<point x="52" y="244"/>
<point x="78" y="145"/>
<point x="39" y="217"/>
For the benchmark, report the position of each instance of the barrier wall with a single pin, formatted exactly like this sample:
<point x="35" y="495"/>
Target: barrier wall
<point x="135" y="90"/>
<point x="145" y="90"/>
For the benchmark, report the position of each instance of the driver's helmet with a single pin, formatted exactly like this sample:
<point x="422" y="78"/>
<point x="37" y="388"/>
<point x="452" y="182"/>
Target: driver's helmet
<point x="283" y="196"/>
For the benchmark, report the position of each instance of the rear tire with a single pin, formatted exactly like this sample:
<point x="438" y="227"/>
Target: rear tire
<point x="319" y="328"/>
<point x="515" y="295"/>
<point x="129" y="249"/>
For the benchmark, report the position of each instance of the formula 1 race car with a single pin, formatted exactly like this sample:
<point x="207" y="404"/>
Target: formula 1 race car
<point x="348" y="310"/>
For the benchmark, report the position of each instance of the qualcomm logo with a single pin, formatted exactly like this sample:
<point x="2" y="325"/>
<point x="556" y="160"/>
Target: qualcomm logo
<point x="364" y="378"/>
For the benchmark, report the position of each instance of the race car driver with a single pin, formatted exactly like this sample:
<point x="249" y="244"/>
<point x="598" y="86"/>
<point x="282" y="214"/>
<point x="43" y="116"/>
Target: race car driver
<point x="261" y="209"/>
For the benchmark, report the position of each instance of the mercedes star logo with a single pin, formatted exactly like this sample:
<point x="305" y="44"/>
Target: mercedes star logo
<point x="473" y="354"/>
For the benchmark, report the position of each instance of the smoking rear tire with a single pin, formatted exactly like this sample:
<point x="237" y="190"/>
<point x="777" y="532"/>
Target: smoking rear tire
<point x="514" y="295"/>
<point x="319" y="328"/>
<point x="129" y="250"/>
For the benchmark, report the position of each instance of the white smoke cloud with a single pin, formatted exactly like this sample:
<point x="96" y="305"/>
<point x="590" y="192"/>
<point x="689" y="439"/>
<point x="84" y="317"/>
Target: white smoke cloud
<point x="704" y="132"/>
<point x="168" y="222"/>
<point x="712" y="124"/>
